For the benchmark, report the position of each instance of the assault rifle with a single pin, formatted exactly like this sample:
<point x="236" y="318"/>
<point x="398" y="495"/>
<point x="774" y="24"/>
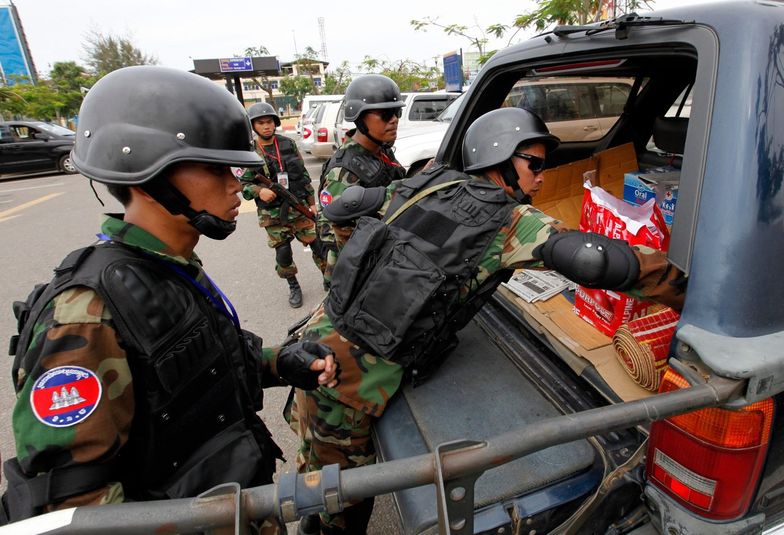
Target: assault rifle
<point x="298" y="204"/>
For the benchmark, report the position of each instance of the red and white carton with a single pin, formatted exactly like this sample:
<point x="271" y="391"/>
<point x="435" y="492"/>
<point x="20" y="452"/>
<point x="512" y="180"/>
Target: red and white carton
<point x="639" y="225"/>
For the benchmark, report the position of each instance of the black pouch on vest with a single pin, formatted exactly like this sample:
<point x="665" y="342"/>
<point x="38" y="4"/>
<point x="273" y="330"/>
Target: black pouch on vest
<point x="231" y="456"/>
<point x="390" y="282"/>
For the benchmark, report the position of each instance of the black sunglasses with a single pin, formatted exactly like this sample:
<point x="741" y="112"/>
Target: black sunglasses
<point x="387" y="114"/>
<point x="535" y="163"/>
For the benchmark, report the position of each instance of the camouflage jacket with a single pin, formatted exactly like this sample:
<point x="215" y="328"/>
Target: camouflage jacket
<point x="269" y="216"/>
<point x="76" y="329"/>
<point x="367" y="381"/>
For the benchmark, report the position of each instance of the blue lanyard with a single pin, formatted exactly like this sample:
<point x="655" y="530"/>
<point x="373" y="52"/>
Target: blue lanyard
<point x="223" y="305"/>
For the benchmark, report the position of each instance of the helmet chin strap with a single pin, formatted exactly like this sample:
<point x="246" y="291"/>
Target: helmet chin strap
<point x="362" y="127"/>
<point x="511" y="179"/>
<point x="176" y="203"/>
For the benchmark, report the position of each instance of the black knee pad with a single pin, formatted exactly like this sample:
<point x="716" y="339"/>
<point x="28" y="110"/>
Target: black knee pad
<point x="283" y="255"/>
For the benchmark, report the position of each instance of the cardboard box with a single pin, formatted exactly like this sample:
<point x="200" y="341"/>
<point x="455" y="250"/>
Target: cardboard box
<point x="661" y="183"/>
<point x="607" y="310"/>
<point x="578" y="344"/>
<point x="561" y="194"/>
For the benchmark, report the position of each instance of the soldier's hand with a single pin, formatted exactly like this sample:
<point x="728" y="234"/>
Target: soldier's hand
<point x="314" y="209"/>
<point x="266" y="195"/>
<point x="329" y="369"/>
<point x="307" y="365"/>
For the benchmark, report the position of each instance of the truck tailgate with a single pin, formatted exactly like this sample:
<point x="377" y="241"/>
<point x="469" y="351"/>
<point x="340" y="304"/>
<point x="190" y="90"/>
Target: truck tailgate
<point x="478" y="393"/>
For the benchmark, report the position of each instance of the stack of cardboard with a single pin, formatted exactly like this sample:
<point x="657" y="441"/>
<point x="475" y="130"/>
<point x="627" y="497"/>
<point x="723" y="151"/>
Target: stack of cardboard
<point x="561" y="194"/>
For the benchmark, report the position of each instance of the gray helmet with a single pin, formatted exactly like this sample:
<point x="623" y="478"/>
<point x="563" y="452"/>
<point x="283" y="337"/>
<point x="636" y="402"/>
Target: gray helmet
<point x="371" y="92"/>
<point x="137" y="121"/>
<point x="263" y="109"/>
<point x="493" y="137"/>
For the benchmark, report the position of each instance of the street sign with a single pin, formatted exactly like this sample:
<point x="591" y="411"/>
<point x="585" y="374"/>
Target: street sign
<point x="236" y="64"/>
<point x="453" y="72"/>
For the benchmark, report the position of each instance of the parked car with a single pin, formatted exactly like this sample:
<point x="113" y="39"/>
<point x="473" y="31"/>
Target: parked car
<point x="311" y="101"/>
<point x="575" y="109"/>
<point x="324" y="130"/>
<point x="420" y="108"/>
<point x="414" y="147"/>
<point x="29" y="146"/>
<point x="307" y="137"/>
<point x="713" y="470"/>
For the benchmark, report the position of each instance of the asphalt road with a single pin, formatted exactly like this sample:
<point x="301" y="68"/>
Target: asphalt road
<point x="42" y="218"/>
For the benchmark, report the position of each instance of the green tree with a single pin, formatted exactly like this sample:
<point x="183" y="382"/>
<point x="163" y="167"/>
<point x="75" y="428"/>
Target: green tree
<point x="309" y="64"/>
<point x="107" y="53"/>
<point x="337" y="82"/>
<point x="36" y="101"/>
<point x="407" y="74"/>
<point x="555" y="12"/>
<point x="297" y="87"/>
<point x="548" y="13"/>
<point x="68" y="78"/>
<point x="263" y="81"/>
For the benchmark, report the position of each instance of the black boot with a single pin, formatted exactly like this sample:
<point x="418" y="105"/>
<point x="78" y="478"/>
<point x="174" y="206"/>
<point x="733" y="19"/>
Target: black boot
<point x="309" y="525"/>
<point x="295" y="292"/>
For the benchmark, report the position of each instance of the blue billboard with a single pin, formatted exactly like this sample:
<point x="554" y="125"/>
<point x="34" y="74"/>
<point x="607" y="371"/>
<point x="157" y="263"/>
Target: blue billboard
<point x="453" y="72"/>
<point x="15" y="57"/>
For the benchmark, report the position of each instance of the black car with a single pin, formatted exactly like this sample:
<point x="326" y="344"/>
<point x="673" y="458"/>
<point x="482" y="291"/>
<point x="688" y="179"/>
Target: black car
<point x="31" y="146"/>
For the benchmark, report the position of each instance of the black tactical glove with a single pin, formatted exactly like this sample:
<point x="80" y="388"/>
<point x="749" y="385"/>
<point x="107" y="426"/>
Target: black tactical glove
<point x="294" y="363"/>
<point x="591" y="260"/>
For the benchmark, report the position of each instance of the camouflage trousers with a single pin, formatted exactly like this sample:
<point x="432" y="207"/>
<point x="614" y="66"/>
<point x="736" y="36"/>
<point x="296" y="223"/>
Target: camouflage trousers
<point x="300" y="228"/>
<point x="331" y="433"/>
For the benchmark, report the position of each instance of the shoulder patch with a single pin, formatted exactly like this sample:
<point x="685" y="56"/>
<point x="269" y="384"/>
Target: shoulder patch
<point x="65" y="396"/>
<point x="325" y="198"/>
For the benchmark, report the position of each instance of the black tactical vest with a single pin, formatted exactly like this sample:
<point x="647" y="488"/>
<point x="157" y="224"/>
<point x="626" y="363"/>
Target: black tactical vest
<point x="197" y="385"/>
<point x="370" y="170"/>
<point x="396" y="288"/>
<point x="293" y="165"/>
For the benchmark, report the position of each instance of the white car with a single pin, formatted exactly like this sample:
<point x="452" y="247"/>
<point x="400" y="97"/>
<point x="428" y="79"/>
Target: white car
<point x="420" y="110"/>
<point x="416" y="145"/>
<point x="323" y="130"/>
<point x="306" y="131"/>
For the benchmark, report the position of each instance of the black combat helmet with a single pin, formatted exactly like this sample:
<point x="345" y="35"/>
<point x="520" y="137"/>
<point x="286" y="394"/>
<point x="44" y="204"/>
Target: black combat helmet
<point x="493" y="137"/>
<point x="371" y="92"/>
<point x="263" y="109"/>
<point x="137" y="121"/>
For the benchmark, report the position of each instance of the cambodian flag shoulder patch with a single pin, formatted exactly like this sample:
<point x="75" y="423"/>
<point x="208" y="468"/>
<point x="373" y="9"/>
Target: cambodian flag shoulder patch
<point x="325" y="198"/>
<point x="65" y="396"/>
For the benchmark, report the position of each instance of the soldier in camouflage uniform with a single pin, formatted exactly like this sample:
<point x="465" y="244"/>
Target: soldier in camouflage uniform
<point x="282" y="164"/>
<point x="134" y="379"/>
<point x="334" y="423"/>
<point x="374" y="104"/>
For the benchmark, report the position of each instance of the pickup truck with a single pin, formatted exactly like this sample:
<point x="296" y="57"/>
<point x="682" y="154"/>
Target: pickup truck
<point x="688" y="474"/>
<point x="520" y="431"/>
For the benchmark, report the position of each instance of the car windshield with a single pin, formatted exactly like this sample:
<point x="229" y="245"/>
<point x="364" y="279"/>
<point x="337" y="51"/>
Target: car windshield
<point x="55" y="129"/>
<point x="449" y="113"/>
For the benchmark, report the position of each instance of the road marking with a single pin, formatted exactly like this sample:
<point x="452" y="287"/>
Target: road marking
<point x="4" y="214"/>
<point x="31" y="187"/>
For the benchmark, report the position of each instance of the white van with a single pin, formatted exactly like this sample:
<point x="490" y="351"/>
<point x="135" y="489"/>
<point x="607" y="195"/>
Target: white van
<point x="311" y="101"/>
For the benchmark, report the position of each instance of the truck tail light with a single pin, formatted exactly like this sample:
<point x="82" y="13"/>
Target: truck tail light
<point x="306" y="133"/>
<point x="710" y="460"/>
<point x="322" y="136"/>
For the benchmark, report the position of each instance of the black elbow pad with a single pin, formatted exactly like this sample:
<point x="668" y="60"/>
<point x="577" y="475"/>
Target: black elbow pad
<point x="591" y="260"/>
<point x="354" y="203"/>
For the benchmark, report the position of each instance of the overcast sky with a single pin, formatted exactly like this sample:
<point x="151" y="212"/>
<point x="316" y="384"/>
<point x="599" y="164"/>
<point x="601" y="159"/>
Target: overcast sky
<point x="177" y="31"/>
